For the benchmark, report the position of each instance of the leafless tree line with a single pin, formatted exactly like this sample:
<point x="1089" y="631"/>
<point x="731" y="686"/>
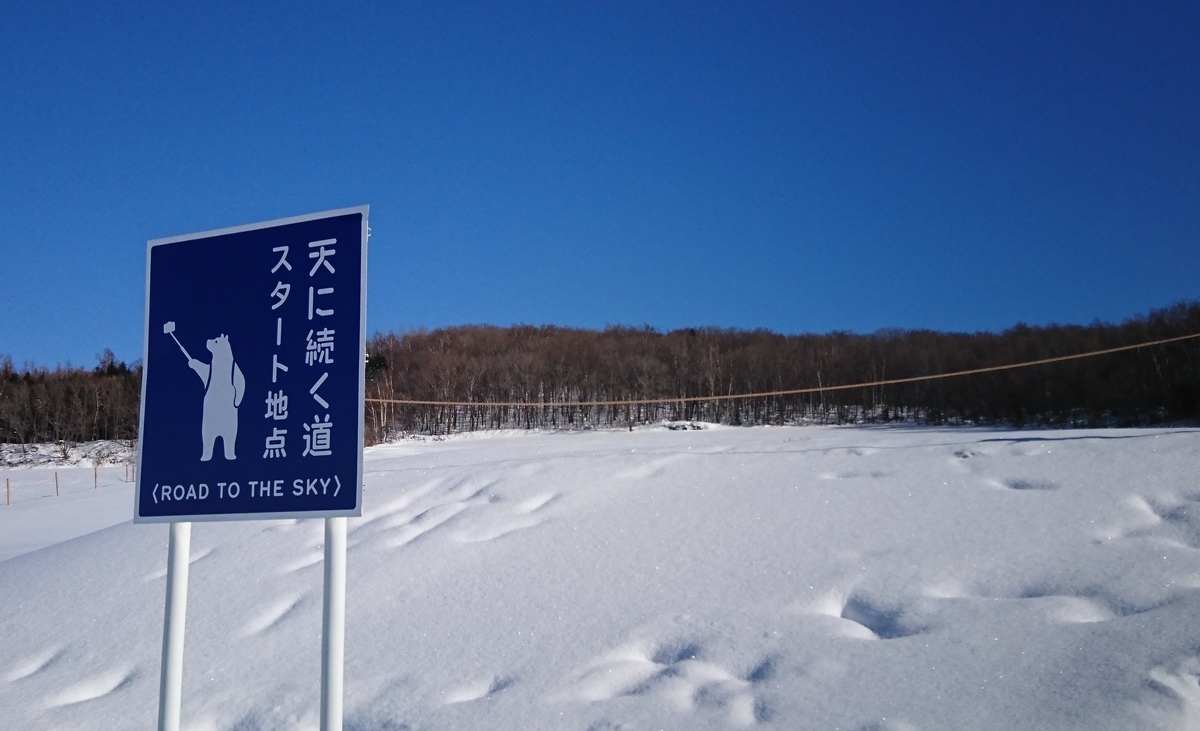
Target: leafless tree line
<point x="69" y="404"/>
<point x="553" y="368"/>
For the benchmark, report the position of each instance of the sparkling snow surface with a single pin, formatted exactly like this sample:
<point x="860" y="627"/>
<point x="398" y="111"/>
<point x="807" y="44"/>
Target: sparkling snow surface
<point x="775" y="578"/>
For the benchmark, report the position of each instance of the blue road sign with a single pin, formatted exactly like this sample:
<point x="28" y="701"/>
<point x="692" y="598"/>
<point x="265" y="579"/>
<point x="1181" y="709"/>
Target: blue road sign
<point x="253" y="380"/>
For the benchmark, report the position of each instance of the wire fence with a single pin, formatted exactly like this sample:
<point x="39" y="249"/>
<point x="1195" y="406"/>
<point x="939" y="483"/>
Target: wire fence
<point x="27" y="484"/>
<point x="1153" y="384"/>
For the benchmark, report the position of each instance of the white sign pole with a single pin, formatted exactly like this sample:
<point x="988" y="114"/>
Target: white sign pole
<point x="333" y="625"/>
<point x="170" y="690"/>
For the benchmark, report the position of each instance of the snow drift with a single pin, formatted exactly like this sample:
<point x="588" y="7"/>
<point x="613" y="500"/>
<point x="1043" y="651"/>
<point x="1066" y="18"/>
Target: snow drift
<point x="790" y="578"/>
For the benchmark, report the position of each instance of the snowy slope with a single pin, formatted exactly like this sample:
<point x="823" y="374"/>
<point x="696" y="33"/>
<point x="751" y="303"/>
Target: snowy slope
<point x="787" y="578"/>
<point x="86" y="501"/>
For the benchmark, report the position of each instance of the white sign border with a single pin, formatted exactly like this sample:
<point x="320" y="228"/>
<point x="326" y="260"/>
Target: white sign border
<point x="354" y="512"/>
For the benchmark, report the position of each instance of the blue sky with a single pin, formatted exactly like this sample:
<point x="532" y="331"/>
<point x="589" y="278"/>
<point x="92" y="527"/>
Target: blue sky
<point x="802" y="167"/>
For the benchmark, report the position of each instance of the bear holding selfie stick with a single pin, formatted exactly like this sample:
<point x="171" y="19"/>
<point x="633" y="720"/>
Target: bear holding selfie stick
<point x="224" y="387"/>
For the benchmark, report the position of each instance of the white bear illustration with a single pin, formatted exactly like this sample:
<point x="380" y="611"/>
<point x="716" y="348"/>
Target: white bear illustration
<point x="224" y="387"/>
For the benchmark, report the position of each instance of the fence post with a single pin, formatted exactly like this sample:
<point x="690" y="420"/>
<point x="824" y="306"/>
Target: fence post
<point x="56" y="483"/>
<point x="7" y="492"/>
<point x="95" y="477"/>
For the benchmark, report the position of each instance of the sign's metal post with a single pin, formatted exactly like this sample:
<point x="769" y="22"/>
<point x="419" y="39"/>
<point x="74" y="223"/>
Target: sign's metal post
<point x="333" y="625"/>
<point x="171" y="687"/>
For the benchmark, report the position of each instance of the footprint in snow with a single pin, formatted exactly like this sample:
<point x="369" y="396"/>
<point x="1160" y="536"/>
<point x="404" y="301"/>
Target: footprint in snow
<point x="675" y="673"/>
<point x="33" y="664"/>
<point x="694" y="684"/>
<point x="620" y="672"/>
<point x="862" y="618"/>
<point x="311" y="559"/>
<point x="389" y="510"/>
<point x="1177" y="686"/>
<point x="1076" y="605"/>
<point x="424" y="523"/>
<point x="653" y="467"/>
<point x="94" y="687"/>
<point x="524" y="515"/>
<point x="1139" y="516"/>
<point x="1180" y="523"/>
<point x="1017" y="483"/>
<point x="536" y="503"/>
<point x="271" y="615"/>
<point x="1021" y="484"/>
<point x="282" y="524"/>
<point x="477" y="689"/>
<point x="1079" y="610"/>
<point x="196" y="556"/>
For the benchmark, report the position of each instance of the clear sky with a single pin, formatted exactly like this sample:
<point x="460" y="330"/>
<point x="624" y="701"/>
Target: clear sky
<point x="798" y="166"/>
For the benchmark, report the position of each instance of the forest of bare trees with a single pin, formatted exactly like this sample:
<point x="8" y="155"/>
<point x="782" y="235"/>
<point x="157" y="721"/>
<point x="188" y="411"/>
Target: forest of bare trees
<point x="550" y="368"/>
<point x="69" y="404"/>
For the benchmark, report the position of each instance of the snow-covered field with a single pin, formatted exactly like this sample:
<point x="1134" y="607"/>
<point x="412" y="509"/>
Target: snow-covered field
<point x="786" y="578"/>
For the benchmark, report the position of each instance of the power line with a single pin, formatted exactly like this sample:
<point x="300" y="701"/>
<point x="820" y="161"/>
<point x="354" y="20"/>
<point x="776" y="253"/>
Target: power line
<point x="789" y="392"/>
